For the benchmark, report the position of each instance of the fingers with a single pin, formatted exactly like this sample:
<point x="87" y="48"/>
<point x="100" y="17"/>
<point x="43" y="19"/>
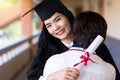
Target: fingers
<point x="65" y="74"/>
<point x="72" y="74"/>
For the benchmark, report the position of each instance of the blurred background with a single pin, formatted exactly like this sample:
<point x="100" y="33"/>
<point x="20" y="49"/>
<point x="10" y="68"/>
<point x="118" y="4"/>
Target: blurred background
<point x="19" y="36"/>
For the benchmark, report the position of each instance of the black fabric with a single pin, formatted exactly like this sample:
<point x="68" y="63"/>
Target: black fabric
<point x="48" y="7"/>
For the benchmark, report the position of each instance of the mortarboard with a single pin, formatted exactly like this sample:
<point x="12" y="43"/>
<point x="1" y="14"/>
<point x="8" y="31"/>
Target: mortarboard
<point x="47" y="8"/>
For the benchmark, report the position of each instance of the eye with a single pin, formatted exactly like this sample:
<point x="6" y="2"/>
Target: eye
<point x="48" y="26"/>
<point x="58" y="19"/>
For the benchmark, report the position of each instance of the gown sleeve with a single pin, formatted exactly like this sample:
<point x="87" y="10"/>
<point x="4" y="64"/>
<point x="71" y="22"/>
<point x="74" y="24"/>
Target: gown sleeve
<point x="36" y="68"/>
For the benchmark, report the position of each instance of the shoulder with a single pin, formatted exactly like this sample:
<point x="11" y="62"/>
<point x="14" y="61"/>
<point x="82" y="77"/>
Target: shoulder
<point x="54" y="57"/>
<point x="103" y="66"/>
<point x="49" y="50"/>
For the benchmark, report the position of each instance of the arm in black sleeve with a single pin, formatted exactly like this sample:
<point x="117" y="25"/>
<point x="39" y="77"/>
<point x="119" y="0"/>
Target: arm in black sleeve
<point x="104" y="53"/>
<point x="36" y="69"/>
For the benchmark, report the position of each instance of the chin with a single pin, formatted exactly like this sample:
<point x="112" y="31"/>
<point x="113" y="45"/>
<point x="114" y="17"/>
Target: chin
<point x="61" y="37"/>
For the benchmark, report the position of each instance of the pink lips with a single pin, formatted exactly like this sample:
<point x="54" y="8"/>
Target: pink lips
<point x="60" y="32"/>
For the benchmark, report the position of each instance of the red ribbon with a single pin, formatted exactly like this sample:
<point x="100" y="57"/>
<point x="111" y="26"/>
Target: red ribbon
<point x="84" y="58"/>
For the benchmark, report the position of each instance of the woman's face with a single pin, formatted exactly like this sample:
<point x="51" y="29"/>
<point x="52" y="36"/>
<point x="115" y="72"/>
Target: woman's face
<point x="58" y="26"/>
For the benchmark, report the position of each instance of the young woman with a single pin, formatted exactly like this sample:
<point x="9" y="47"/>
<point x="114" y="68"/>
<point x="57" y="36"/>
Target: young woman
<point x="86" y="27"/>
<point x="55" y="41"/>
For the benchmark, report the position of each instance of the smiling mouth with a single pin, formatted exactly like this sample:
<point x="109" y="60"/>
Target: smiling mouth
<point x="61" y="32"/>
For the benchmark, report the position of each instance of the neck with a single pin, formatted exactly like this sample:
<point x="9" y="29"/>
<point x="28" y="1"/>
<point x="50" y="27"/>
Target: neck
<point x="68" y="40"/>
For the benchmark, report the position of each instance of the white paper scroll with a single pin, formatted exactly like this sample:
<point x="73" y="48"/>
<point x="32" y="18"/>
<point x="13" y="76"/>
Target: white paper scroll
<point x="92" y="47"/>
<point x="95" y="44"/>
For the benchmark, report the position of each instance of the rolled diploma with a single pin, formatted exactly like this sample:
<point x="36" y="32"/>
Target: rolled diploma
<point x="92" y="47"/>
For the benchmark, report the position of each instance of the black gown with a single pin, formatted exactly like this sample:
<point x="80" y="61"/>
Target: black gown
<point x="43" y="54"/>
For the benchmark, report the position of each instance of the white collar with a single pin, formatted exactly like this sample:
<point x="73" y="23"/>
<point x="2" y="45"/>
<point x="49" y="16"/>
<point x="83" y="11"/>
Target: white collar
<point x="67" y="45"/>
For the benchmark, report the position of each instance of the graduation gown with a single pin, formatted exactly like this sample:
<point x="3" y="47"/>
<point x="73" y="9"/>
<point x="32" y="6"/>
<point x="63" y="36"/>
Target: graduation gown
<point x="100" y="70"/>
<point x="36" y="68"/>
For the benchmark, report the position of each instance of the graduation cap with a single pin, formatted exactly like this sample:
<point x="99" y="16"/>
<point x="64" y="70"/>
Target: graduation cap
<point x="47" y="8"/>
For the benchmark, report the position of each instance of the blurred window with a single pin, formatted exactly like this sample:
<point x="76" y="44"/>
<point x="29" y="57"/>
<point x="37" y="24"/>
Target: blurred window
<point x="4" y="4"/>
<point x="10" y="32"/>
<point x="35" y="22"/>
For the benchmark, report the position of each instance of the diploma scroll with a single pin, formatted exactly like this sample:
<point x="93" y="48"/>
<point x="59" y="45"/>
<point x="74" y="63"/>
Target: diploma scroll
<point x="95" y="44"/>
<point x="89" y="51"/>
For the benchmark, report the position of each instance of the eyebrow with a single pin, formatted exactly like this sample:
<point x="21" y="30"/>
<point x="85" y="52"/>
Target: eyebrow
<point x="54" y="19"/>
<point x="47" y="24"/>
<point x="57" y="17"/>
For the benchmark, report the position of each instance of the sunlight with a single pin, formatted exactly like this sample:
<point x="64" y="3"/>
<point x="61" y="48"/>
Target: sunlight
<point x="1" y="1"/>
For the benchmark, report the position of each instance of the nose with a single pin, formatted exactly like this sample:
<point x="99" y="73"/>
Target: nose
<point x="56" y="27"/>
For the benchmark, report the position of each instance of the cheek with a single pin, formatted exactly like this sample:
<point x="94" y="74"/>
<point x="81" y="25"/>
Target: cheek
<point x="67" y="25"/>
<point x="68" y="28"/>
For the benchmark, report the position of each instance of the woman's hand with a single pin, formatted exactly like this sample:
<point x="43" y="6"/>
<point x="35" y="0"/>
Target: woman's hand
<point x="65" y="74"/>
